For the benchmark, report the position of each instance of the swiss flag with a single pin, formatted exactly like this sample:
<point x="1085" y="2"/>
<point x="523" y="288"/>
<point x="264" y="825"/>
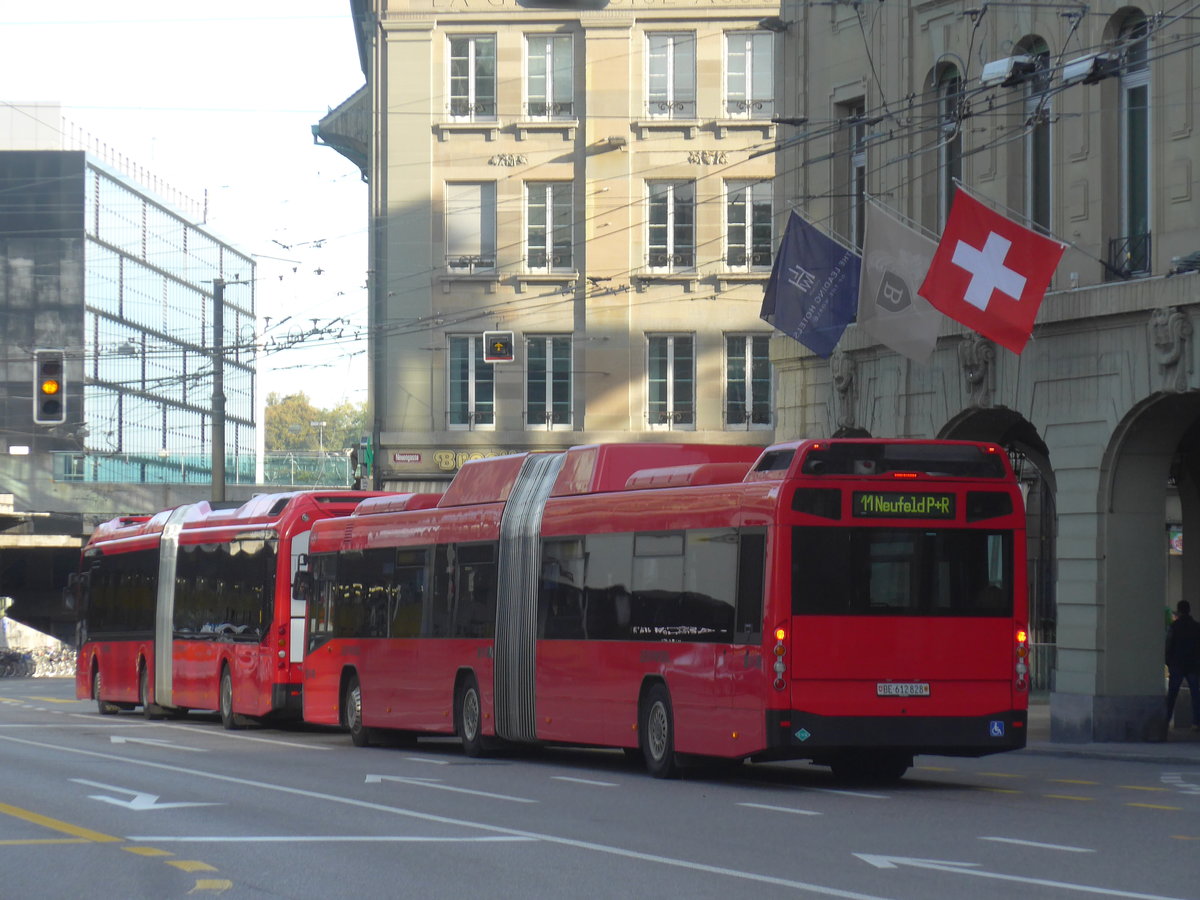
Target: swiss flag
<point x="989" y="273"/>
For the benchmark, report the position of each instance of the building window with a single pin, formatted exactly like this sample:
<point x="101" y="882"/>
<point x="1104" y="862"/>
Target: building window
<point x="1133" y="256"/>
<point x="472" y="385"/>
<point x="549" y="217"/>
<point x="749" y="75"/>
<point x="1037" y="137"/>
<point x="748" y="217"/>
<point x="471" y="228"/>
<point x="852" y="171"/>
<point x="671" y="382"/>
<point x="671" y="75"/>
<point x="472" y="78"/>
<point x="671" y="235"/>
<point x="550" y="76"/>
<point x="747" y="381"/>
<point x="950" y="145"/>
<point x="548" y="382"/>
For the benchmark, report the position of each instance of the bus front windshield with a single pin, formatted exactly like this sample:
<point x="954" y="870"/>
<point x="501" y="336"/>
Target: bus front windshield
<point x="901" y="572"/>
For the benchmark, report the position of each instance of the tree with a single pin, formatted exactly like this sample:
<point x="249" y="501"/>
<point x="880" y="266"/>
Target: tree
<point x="289" y="424"/>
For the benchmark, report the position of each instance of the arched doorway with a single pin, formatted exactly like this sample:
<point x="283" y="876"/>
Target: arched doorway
<point x="1031" y="462"/>
<point x="1150" y="470"/>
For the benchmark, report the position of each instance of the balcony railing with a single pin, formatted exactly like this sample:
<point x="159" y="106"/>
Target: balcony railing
<point x="462" y="110"/>
<point x="741" y="261"/>
<point x="547" y="111"/>
<point x="671" y="109"/>
<point x="662" y="261"/>
<point x="1128" y="257"/>
<point x="541" y="261"/>
<point x="749" y="109"/>
<point x="672" y="418"/>
<point x="470" y="265"/>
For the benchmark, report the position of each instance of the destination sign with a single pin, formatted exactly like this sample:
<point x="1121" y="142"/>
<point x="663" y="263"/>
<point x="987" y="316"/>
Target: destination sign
<point x="903" y="505"/>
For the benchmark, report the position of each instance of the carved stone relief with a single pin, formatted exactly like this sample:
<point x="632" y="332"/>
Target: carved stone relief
<point x="1170" y="337"/>
<point x="976" y="355"/>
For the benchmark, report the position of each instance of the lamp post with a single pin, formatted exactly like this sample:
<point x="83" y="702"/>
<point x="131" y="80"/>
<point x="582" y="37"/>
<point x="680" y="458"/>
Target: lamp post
<point x="320" y="426"/>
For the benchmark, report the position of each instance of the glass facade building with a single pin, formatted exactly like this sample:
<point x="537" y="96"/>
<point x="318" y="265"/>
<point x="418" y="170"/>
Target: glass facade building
<point x="132" y="289"/>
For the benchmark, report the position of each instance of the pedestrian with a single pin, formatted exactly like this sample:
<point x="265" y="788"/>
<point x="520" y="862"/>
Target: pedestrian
<point x="1183" y="660"/>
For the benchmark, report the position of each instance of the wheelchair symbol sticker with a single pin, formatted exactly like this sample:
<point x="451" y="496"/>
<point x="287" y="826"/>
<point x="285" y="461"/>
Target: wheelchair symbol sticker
<point x="996" y="728"/>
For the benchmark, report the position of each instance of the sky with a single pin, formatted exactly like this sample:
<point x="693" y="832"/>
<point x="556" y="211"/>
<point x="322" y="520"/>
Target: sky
<point x="217" y="100"/>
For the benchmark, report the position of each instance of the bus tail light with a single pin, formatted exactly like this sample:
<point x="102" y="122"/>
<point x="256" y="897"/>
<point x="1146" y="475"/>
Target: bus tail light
<point x="780" y="651"/>
<point x="1021" y="679"/>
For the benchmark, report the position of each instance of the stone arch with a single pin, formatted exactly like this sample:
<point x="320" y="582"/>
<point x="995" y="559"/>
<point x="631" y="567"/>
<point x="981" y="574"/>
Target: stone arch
<point x="1031" y="461"/>
<point x="1157" y="441"/>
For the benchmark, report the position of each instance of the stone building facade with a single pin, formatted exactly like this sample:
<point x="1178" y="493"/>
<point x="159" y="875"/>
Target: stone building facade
<point x="1079" y="123"/>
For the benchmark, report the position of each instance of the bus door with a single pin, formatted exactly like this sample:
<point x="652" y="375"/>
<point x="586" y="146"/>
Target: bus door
<point x="164" y="612"/>
<point x="743" y="670"/>
<point x="301" y="594"/>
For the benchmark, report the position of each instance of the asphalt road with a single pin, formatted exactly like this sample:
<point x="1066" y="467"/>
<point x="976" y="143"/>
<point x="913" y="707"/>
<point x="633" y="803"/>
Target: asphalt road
<point x="119" y="806"/>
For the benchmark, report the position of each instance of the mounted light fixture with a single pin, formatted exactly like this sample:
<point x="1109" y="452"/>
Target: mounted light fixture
<point x="615" y="141"/>
<point x="1011" y="70"/>
<point x="775" y="24"/>
<point x="1091" y="68"/>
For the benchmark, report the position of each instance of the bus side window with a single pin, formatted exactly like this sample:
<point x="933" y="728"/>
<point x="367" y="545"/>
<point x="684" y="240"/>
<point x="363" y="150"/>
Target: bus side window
<point x="752" y="554"/>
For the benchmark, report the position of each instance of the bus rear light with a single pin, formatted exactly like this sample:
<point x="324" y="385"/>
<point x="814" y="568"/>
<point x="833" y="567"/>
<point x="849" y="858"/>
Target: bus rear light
<point x="1020" y="666"/>
<point x="904" y="474"/>
<point x="779" y="650"/>
<point x="282" y="655"/>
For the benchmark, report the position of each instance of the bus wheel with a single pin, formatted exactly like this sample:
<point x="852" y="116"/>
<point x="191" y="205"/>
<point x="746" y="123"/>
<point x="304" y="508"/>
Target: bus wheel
<point x="871" y="766"/>
<point x="103" y="707"/>
<point x="657" y="729"/>
<point x="469" y="714"/>
<point x="229" y="721"/>
<point x="149" y="710"/>
<point x="360" y="735"/>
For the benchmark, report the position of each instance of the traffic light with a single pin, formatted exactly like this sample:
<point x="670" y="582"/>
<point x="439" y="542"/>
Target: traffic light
<point x="498" y="346"/>
<point x="49" y="387"/>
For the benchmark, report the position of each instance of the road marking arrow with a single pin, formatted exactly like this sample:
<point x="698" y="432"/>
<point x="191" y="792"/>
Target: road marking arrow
<point x="139" y="801"/>
<point x="436" y="785"/>
<point x="967" y="868"/>
<point x="155" y="742"/>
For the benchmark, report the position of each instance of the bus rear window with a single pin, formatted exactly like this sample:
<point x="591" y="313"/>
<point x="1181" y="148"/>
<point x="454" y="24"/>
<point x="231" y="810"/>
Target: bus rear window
<point x="901" y="572"/>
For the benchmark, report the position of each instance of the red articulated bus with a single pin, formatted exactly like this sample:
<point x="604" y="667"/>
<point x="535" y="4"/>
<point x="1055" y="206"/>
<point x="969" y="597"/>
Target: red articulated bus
<point x="850" y="602"/>
<point x="193" y="608"/>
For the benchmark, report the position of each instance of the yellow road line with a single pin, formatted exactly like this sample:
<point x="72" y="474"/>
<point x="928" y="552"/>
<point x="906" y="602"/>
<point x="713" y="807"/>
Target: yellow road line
<point x="53" y="700"/>
<point x="1069" y="781"/>
<point x="147" y="851"/>
<point x="993" y="790"/>
<point x="1154" y="806"/>
<point x="17" y="843"/>
<point x="1067" y="797"/>
<point x="219" y="885"/>
<point x="56" y="825"/>
<point x="1138" y="787"/>
<point x="191" y="865"/>
<point x="1000" y="775"/>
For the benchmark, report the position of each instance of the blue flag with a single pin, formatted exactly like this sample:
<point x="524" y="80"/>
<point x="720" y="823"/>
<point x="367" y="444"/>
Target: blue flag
<point x="812" y="293"/>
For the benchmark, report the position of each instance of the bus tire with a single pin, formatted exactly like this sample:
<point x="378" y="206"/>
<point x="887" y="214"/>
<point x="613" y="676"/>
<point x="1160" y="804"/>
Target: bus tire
<point x="657" y="730"/>
<point x="149" y="710"/>
<point x="360" y="735"/>
<point x="102" y="706"/>
<point x="468" y="714"/>
<point x="229" y="721"/>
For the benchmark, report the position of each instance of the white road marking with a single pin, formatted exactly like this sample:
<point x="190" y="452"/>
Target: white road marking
<point x="425" y="759"/>
<point x="1063" y="847"/>
<point x="966" y="868"/>
<point x="322" y="839"/>
<point x="736" y="874"/>
<point x="584" y="781"/>
<point x="139" y="801"/>
<point x="783" y="809"/>
<point x="431" y="783"/>
<point x="154" y="742"/>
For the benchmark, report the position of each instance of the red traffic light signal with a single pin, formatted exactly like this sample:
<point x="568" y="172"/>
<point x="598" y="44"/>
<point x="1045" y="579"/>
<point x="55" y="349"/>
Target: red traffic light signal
<point x="498" y="346"/>
<point x="49" y="387"/>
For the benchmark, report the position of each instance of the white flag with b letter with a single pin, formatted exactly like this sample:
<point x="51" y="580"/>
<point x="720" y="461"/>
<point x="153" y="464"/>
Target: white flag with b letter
<point x="895" y="261"/>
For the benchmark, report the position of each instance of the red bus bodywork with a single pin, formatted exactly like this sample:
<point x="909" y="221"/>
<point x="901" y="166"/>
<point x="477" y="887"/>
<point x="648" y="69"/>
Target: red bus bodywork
<point x="136" y="569"/>
<point x="687" y="588"/>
